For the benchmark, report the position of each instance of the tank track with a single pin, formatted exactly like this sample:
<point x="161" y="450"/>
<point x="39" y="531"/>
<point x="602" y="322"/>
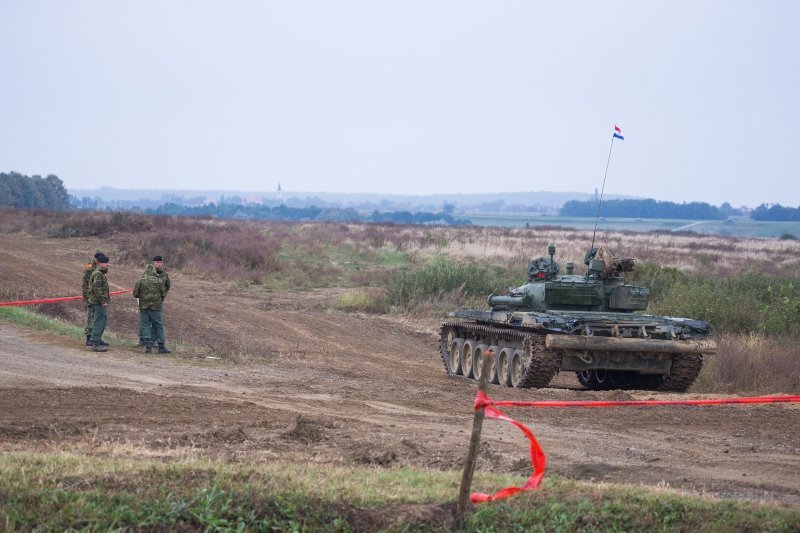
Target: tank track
<point x="685" y="369"/>
<point x="540" y="366"/>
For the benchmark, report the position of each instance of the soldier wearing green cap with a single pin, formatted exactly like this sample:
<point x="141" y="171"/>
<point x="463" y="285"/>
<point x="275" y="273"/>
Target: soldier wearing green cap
<point x="151" y="289"/>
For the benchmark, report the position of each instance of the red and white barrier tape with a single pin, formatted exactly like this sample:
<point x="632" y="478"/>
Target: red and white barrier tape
<point x="54" y="300"/>
<point x="538" y="458"/>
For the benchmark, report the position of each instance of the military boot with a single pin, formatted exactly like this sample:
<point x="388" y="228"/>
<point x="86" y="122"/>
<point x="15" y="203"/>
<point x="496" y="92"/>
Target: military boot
<point x="89" y="340"/>
<point x="148" y="347"/>
<point x="97" y="347"/>
<point x="101" y="342"/>
<point x="163" y="349"/>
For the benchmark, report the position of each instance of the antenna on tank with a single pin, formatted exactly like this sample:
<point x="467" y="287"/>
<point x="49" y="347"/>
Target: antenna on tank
<point x="617" y="135"/>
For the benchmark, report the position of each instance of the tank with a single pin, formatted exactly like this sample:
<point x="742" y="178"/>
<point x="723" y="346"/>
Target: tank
<point x="592" y="324"/>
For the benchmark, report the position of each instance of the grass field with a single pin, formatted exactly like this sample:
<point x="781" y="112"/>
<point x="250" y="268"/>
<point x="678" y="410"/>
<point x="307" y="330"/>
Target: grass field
<point x="62" y="490"/>
<point x="734" y="227"/>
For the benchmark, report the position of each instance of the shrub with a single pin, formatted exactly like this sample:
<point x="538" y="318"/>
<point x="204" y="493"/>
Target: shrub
<point x="781" y="313"/>
<point x="445" y="278"/>
<point x="746" y="302"/>
<point x="366" y="300"/>
<point x="658" y="279"/>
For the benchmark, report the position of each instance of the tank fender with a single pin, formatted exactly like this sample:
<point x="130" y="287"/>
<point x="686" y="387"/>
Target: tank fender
<point x="615" y="344"/>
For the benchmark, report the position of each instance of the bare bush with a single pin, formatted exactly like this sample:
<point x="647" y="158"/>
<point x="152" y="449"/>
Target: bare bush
<point x="752" y="363"/>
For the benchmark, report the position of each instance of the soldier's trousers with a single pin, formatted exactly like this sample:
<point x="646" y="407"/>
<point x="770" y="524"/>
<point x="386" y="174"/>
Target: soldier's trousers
<point x="151" y="323"/>
<point x="89" y="320"/>
<point x="99" y="323"/>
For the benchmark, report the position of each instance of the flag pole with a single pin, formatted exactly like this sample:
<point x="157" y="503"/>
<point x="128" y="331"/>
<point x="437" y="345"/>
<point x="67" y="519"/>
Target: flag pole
<point x="600" y="201"/>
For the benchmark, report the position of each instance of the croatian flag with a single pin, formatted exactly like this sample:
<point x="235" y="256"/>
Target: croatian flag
<point x="618" y="133"/>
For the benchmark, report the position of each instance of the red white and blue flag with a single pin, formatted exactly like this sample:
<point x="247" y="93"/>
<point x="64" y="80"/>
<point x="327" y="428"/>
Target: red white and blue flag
<point x="618" y="133"/>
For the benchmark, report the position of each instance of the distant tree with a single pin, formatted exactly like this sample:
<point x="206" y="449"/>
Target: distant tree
<point x="647" y="208"/>
<point x="33" y="192"/>
<point x="726" y="209"/>
<point x="776" y="213"/>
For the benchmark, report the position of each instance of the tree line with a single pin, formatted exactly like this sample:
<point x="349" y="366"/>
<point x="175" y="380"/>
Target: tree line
<point x="33" y="192"/>
<point x="776" y="213"/>
<point x="326" y="214"/>
<point x="643" y="209"/>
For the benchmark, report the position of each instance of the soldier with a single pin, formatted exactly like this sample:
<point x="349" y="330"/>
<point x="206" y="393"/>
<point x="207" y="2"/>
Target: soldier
<point x="87" y="274"/>
<point x="158" y="264"/>
<point x="151" y="289"/>
<point x="99" y="299"/>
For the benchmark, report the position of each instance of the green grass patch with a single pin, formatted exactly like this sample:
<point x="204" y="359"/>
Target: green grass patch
<point x="450" y="282"/>
<point x="366" y="300"/>
<point x="746" y="302"/>
<point x="313" y="264"/>
<point x="393" y="258"/>
<point x="58" y="491"/>
<point x="28" y="318"/>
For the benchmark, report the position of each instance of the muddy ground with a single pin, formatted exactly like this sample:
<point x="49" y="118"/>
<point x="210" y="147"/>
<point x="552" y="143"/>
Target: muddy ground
<point x="307" y="383"/>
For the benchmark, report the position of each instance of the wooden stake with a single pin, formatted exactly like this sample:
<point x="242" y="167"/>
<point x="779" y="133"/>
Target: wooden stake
<point x="474" y="442"/>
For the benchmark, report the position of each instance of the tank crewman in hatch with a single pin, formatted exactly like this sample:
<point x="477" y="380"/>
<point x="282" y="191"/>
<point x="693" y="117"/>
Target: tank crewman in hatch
<point x="86" y="289"/>
<point x="99" y="299"/>
<point x="151" y="289"/>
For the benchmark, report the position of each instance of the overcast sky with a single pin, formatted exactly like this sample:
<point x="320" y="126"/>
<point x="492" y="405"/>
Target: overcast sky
<point x="409" y="97"/>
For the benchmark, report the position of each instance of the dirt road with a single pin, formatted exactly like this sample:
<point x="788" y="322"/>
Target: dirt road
<point x="311" y="384"/>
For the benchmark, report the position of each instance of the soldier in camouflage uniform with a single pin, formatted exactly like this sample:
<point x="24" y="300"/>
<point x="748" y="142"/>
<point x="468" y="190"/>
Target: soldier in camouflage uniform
<point x="99" y="299"/>
<point x="151" y="289"/>
<point x="87" y="274"/>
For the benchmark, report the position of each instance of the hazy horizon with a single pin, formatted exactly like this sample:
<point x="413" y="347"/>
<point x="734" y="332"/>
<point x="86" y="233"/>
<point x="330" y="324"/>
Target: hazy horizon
<point x="412" y="98"/>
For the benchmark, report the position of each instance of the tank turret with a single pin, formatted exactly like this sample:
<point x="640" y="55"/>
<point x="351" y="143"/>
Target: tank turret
<point x="591" y="324"/>
<point x="601" y="289"/>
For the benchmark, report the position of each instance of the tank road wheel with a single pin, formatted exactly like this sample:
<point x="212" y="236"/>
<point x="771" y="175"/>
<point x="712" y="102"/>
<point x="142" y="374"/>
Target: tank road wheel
<point x="517" y="368"/>
<point x="455" y="356"/>
<point x="477" y="360"/>
<point x="467" y="349"/>
<point x="504" y="366"/>
<point x="596" y="379"/>
<point x="587" y="378"/>
<point x="494" y="375"/>
<point x="602" y="378"/>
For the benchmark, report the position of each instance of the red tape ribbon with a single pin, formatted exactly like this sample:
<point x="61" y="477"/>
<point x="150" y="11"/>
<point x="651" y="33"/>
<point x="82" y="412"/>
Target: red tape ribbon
<point x="54" y="300"/>
<point x="538" y="458"/>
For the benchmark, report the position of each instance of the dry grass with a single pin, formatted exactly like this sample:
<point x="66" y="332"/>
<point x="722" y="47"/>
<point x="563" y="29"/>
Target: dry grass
<point x="255" y="245"/>
<point x="704" y="254"/>
<point x="752" y="364"/>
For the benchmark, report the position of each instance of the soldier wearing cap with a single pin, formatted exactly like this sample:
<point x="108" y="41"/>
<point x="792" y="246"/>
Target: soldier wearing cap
<point x="151" y="289"/>
<point x="99" y="298"/>
<point x="86" y="289"/>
